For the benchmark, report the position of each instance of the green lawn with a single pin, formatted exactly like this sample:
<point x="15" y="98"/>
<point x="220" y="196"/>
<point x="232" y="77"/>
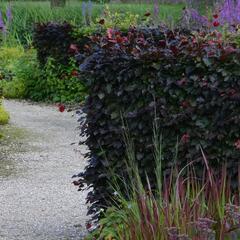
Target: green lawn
<point x="26" y="13"/>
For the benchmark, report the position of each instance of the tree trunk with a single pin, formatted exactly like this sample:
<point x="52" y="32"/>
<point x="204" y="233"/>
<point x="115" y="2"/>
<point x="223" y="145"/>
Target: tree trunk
<point x="58" y="3"/>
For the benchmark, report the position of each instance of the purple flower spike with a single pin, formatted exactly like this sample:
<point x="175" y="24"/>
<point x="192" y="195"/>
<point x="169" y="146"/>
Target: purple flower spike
<point x="230" y="13"/>
<point x="2" y="25"/>
<point x="9" y="14"/>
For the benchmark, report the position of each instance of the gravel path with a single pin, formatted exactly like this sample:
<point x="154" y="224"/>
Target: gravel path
<point x="37" y="199"/>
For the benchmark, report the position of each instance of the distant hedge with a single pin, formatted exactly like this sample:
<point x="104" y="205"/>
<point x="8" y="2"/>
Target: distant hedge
<point x="59" y="41"/>
<point x="53" y="40"/>
<point x="189" y="83"/>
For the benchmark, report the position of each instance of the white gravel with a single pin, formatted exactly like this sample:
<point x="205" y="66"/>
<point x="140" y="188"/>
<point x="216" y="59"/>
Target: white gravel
<point x="37" y="198"/>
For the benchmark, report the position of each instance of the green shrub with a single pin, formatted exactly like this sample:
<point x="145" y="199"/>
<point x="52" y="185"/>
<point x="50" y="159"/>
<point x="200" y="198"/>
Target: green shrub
<point x="17" y="68"/>
<point x="189" y="84"/>
<point x="14" y="89"/>
<point x="27" y="73"/>
<point x="119" y="19"/>
<point x="9" y="57"/>
<point x="58" y="83"/>
<point x="56" y="45"/>
<point x="52" y="82"/>
<point x="4" y="116"/>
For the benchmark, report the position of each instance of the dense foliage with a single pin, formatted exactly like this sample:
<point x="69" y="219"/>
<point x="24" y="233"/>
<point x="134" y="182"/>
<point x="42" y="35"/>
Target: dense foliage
<point x="188" y="84"/>
<point x="27" y="13"/>
<point x="56" y="46"/>
<point x="53" y="40"/>
<point x="47" y="73"/>
<point x="179" y="208"/>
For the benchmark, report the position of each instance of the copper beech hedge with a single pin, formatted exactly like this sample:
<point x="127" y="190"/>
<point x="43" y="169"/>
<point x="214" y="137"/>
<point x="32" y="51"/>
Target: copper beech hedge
<point x="189" y="84"/>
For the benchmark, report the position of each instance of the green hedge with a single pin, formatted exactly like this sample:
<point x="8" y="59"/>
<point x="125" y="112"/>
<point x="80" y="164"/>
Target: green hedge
<point x="188" y="84"/>
<point x="56" y="48"/>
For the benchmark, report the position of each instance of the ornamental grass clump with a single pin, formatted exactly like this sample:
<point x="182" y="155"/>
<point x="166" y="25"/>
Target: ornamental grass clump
<point x="182" y="206"/>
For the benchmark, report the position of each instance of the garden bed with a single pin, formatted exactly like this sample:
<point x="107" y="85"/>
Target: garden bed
<point x="160" y="112"/>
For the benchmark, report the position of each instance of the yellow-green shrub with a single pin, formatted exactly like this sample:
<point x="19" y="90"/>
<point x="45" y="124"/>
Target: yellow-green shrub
<point x="4" y="115"/>
<point x="11" y="86"/>
<point x="13" y="89"/>
<point x="9" y="55"/>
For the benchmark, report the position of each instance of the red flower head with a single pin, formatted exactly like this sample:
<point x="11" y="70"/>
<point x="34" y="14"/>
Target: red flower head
<point x="88" y="225"/>
<point x="216" y="23"/>
<point x="120" y="39"/>
<point x="74" y="73"/>
<point x="61" y="108"/>
<point x="237" y="144"/>
<point x="101" y="21"/>
<point x="215" y="16"/>
<point x="185" y="138"/>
